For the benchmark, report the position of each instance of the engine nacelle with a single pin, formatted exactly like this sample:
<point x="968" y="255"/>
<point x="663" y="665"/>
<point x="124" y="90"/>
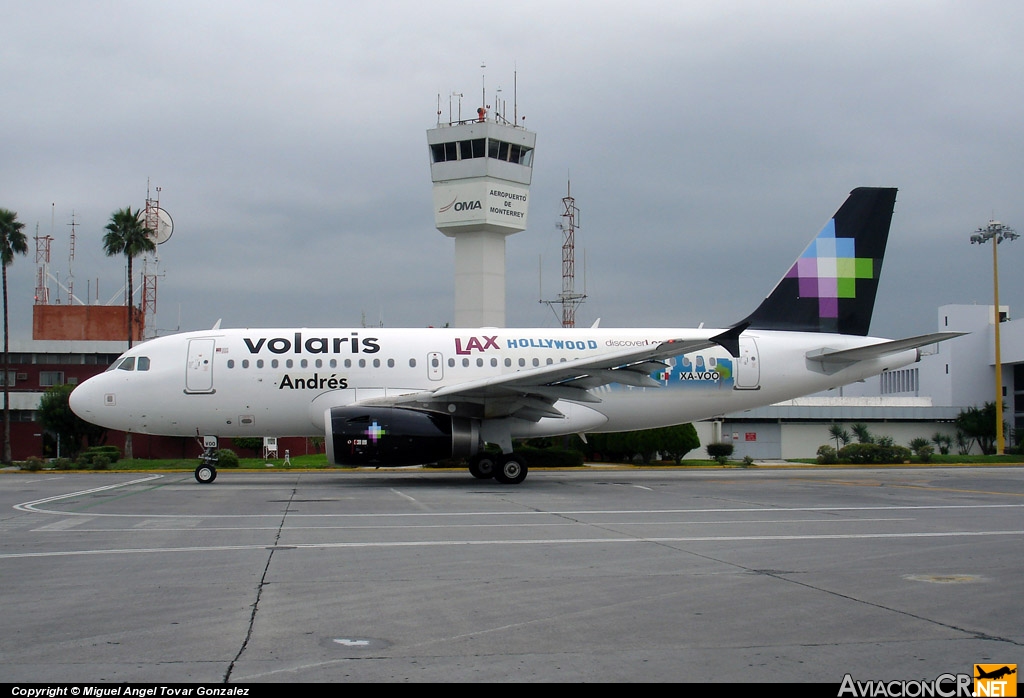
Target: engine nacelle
<point x="397" y="436"/>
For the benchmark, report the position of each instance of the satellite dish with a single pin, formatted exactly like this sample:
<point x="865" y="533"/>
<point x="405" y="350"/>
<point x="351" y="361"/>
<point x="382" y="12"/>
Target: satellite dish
<point x="164" y="226"/>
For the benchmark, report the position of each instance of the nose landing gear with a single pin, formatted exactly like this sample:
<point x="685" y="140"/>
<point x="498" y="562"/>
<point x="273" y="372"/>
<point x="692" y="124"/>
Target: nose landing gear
<point x="207" y="470"/>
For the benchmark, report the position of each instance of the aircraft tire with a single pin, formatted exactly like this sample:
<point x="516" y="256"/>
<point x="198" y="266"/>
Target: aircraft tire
<point x="511" y="471"/>
<point x="482" y="467"/>
<point x="206" y="474"/>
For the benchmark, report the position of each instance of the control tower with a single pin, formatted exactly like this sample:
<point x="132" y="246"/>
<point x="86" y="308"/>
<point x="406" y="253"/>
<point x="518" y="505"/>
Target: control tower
<point x="481" y="169"/>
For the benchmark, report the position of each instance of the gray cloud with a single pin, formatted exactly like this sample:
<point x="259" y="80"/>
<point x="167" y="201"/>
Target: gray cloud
<point x="706" y="144"/>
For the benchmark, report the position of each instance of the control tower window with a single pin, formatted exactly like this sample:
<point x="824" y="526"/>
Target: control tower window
<point x="444" y="152"/>
<point x="482" y="147"/>
<point x="509" y="152"/>
<point x="472" y="149"/>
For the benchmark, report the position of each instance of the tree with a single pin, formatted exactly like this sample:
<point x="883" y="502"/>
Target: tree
<point x="127" y="235"/>
<point x="864" y="436"/>
<point x="55" y="415"/>
<point x="943" y="441"/>
<point x="979" y="424"/>
<point x="12" y="242"/>
<point x="840" y="434"/>
<point x="675" y="442"/>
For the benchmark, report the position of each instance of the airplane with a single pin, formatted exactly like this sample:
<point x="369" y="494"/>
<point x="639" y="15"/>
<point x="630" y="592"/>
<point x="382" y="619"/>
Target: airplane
<point x="995" y="673"/>
<point x="412" y="396"/>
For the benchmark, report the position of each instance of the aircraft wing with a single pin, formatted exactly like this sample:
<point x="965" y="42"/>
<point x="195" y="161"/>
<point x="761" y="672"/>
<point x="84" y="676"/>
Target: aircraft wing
<point x="532" y="393"/>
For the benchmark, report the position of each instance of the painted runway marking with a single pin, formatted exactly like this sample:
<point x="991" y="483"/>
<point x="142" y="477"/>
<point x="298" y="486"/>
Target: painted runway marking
<point x="35" y="506"/>
<point x="561" y="541"/>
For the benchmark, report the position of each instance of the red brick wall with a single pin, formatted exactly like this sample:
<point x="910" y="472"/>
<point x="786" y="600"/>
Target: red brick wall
<point x="84" y="322"/>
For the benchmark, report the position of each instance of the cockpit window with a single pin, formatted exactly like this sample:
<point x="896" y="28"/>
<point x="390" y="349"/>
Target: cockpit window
<point x="130" y="363"/>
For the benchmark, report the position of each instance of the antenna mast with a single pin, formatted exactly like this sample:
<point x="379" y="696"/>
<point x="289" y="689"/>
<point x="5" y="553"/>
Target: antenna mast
<point x="569" y="299"/>
<point x="71" y="260"/>
<point x="159" y="227"/>
<point x="42" y="268"/>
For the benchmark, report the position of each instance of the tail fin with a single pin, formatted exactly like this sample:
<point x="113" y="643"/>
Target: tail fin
<point x="831" y="286"/>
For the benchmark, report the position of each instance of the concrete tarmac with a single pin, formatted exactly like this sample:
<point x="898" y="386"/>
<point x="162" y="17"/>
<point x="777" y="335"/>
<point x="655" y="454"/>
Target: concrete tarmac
<point x="638" y="575"/>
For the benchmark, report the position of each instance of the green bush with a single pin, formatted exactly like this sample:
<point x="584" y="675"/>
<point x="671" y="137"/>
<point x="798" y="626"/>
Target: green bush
<point x="32" y="464"/>
<point x="827" y="455"/>
<point x="226" y="458"/>
<point x="112" y="454"/>
<point x="100" y="462"/>
<point x="550" y="457"/>
<point x="720" y="452"/>
<point x="876" y="453"/>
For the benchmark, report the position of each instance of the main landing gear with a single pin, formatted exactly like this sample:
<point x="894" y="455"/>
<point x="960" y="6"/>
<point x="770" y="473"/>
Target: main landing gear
<point x="508" y="469"/>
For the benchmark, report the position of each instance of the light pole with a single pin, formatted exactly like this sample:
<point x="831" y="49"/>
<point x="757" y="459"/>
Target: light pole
<point x="996" y="232"/>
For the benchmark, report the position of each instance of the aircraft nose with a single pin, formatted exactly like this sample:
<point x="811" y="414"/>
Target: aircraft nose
<point x="84" y="400"/>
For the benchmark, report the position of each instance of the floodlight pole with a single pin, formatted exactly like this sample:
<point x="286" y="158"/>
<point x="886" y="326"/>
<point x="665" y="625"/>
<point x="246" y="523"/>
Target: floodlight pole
<point x="996" y="232"/>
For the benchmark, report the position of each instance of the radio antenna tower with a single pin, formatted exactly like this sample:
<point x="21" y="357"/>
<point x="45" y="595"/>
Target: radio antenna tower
<point x="71" y="261"/>
<point x="569" y="299"/>
<point x="159" y="227"/>
<point x="42" y="296"/>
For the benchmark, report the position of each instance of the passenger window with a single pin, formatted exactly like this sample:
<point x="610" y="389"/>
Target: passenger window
<point x="231" y="363"/>
<point x="142" y="364"/>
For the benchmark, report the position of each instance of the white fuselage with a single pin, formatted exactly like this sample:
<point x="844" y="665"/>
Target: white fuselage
<point x="280" y="382"/>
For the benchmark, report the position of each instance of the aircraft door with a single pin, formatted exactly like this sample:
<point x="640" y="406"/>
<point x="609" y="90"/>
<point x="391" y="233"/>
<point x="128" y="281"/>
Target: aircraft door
<point x="748" y="368"/>
<point x="435" y="366"/>
<point x="199" y="367"/>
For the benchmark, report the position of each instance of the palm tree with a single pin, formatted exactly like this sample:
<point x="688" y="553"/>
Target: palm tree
<point x="860" y="430"/>
<point x="127" y="235"/>
<point x="12" y="242"/>
<point x="840" y="434"/>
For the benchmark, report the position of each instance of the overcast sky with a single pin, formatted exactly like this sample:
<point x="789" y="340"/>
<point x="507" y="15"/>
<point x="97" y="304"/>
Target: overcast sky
<point x="707" y="143"/>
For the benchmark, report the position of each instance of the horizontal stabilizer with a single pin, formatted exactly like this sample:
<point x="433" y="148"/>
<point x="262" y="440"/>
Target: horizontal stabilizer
<point x="876" y="351"/>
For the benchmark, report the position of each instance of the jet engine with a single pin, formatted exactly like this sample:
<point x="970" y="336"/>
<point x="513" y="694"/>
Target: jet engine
<point x="397" y="436"/>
